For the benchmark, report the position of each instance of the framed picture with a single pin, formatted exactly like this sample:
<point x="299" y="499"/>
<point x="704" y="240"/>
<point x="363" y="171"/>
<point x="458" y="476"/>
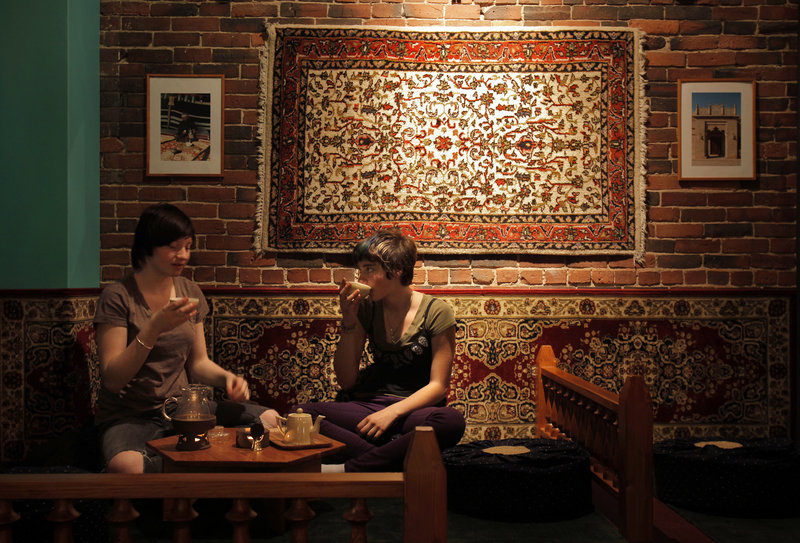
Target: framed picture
<point x="184" y="124"/>
<point x="716" y="129"/>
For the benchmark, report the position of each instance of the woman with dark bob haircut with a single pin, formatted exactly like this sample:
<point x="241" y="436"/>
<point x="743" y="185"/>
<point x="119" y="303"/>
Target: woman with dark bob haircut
<point x="150" y="342"/>
<point x="412" y="340"/>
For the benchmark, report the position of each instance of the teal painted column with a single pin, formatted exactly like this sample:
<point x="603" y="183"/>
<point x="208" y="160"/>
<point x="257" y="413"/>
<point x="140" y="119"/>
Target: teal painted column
<point x="49" y="145"/>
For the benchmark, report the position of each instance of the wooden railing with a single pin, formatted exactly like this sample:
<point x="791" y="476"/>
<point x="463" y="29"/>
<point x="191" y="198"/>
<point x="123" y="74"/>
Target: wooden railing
<point x="617" y="431"/>
<point x="422" y="487"/>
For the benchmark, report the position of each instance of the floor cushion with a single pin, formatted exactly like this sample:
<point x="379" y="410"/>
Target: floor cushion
<point x="521" y="480"/>
<point x="741" y="478"/>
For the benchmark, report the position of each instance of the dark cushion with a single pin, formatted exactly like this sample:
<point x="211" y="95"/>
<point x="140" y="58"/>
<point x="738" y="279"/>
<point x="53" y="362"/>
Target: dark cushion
<point x="759" y="479"/>
<point x="551" y="481"/>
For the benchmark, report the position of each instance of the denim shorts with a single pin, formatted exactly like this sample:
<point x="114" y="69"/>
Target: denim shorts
<point x="132" y="433"/>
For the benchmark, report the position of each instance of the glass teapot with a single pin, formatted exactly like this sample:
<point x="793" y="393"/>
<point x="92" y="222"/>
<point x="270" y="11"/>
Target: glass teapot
<point x="193" y="416"/>
<point x="193" y="403"/>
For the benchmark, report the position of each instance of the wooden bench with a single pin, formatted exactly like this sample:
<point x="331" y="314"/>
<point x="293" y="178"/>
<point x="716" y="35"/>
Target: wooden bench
<point x="422" y="486"/>
<point x="616" y="430"/>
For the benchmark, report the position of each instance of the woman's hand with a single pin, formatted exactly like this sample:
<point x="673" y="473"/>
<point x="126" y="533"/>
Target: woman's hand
<point x="375" y="425"/>
<point x="173" y="315"/>
<point x="349" y="300"/>
<point x="237" y="388"/>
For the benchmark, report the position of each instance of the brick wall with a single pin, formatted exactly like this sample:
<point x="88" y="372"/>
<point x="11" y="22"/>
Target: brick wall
<point x="700" y="234"/>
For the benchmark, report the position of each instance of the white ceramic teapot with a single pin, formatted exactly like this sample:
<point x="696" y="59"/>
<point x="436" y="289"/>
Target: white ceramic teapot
<point x="297" y="428"/>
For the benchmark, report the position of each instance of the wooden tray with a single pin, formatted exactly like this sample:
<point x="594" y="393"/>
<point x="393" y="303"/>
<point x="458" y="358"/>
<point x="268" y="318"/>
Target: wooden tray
<point x="318" y="442"/>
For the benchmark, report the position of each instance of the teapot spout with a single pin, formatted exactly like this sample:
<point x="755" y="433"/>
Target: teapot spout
<point x="315" y="428"/>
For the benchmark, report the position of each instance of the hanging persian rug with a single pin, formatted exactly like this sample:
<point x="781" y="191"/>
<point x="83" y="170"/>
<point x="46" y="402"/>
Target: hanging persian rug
<point x="470" y="141"/>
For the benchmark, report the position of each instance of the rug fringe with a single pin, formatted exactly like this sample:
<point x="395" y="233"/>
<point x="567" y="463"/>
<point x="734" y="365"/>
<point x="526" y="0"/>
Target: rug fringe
<point x="264" y="136"/>
<point x="640" y="163"/>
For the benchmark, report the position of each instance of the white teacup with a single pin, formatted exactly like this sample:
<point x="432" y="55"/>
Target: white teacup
<point x="191" y="300"/>
<point x="365" y="290"/>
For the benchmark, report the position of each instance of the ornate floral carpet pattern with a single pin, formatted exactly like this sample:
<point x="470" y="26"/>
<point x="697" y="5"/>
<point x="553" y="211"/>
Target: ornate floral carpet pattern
<point x="716" y="365"/>
<point x="476" y="141"/>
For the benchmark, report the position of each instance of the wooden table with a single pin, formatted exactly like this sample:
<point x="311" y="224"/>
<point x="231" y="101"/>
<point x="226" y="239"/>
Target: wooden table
<point x="225" y="456"/>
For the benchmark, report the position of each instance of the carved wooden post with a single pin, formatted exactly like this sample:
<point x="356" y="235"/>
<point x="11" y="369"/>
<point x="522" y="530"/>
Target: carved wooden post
<point x="299" y="515"/>
<point x="7" y="518"/>
<point x="425" y="490"/>
<point x="544" y="358"/>
<point x="61" y="516"/>
<point x="636" y="461"/>
<point x="181" y="515"/>
<point x="121" y="515"/>
<point x="358" y="515"/>
<point x="240" y="516"/>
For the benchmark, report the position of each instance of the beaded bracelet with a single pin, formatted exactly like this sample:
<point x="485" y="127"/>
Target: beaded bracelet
<point x="143" y="344"/>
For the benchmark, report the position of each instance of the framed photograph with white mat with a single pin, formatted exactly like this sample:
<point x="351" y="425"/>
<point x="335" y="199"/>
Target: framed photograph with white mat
<point x="185" y="124"/>
<point x="716" y="129"/>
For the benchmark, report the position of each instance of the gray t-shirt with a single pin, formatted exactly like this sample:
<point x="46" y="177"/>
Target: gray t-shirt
<point x="164" y="372"/>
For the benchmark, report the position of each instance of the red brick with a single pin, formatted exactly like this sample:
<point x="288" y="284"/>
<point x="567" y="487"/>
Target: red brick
<point x="438" y="276"/>
<point x="483" y="276"/>
<point x="555" y="277"/>
<point x="272" y="277"/>
<point x="195" y="23"/>
<point x="671" y="277"/>
<point x="787" y="13"/>
<point x="507" y="276"/>
<point x="531" y="277"/>
<point x="683" y="198"/>
<point x="423" y="11"/>
<point x="697" y="246"/>
<point x="250" y="276"/>
<point x="297" y="275"/>
<point x="603" y="277"/>
<point x="384" y="11"/>
<point x="461" y="276"/>
<point x="225" y="275"/>
<point x="663" y="214"/>
<point x="746" y="246"/>
<point x="766" y="278"/>
<point x="666" y="58"/>
<point x="679" y="230"/>
<point x="624" y="277"/>
<point x="719" y="58"/>
<point x="654" y="27"/>
<point x="212" y="194"/>
<point x="347" y="274"/>
<point x="579" y="277"/>
<point x="492" y="13"/>
<point x="648" y="278"/>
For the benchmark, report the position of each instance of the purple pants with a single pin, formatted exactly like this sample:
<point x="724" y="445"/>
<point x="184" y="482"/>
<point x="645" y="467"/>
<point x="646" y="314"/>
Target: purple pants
<point x="388" y="451"/>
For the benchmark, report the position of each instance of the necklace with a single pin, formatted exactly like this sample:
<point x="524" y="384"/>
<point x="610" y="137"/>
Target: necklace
<point x="396" y="330"/>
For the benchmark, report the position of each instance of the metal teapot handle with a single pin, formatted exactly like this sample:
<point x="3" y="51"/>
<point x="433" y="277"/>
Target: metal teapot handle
<point x="281" y="424"/>
<point x="164" y="407"/>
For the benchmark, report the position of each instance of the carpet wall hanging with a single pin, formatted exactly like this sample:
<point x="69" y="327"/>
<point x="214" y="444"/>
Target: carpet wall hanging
<point x="471" y="141"/>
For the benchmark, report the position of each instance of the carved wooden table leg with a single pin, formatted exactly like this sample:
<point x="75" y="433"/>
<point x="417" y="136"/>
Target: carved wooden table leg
<point x="61" y="516"/>
<point x="121" y="516"/>
<point x="181" y="515"/>
<point x="299" y="515"/>
<point x="358" y="515"/>
<point x="7" y="518"/>
<point x="240" y="516"/>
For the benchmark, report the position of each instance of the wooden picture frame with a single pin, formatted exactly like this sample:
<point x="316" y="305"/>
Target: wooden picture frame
<point x="185" y="124"/>
<point x="717" y="129"/>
